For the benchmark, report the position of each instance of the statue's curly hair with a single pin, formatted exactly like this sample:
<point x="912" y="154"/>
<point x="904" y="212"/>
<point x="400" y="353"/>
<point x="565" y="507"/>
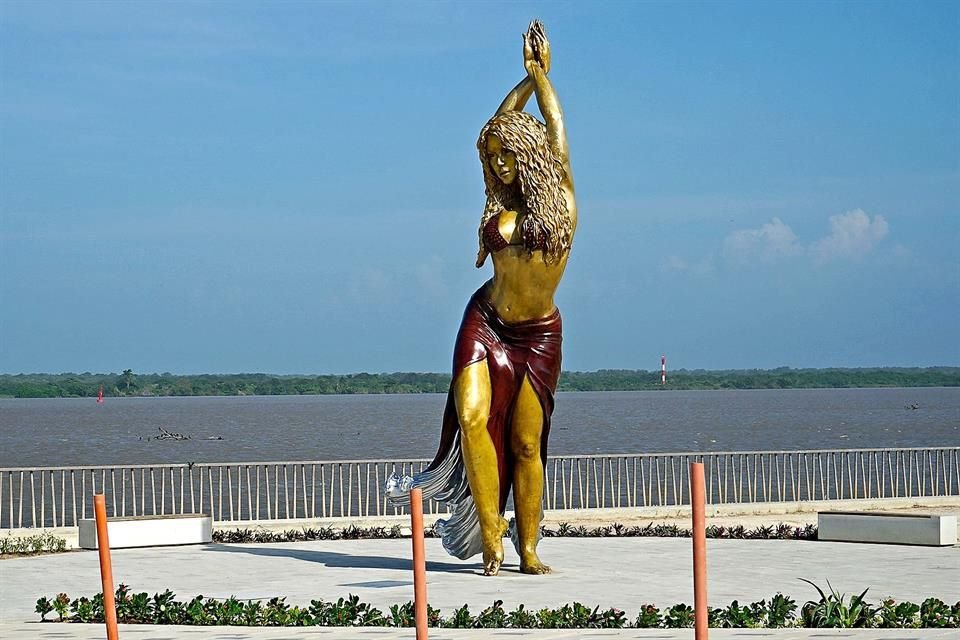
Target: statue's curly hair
<point x="536" y="192"/>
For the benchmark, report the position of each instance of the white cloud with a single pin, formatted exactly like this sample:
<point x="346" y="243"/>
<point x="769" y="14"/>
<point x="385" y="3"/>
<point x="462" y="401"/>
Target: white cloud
<point x="772" y="241"/>
<point x="852" y="234"/>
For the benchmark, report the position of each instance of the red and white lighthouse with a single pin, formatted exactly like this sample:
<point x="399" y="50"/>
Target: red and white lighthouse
<point x="663" y="369"/>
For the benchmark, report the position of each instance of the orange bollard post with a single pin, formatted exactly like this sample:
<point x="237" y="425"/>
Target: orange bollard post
<point x="698" y="507"/>
<point x="419" y="563"/>
<point x="106" y="570"/>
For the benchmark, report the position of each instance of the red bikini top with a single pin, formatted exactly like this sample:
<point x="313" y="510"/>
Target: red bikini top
<point x="493" y="240"/>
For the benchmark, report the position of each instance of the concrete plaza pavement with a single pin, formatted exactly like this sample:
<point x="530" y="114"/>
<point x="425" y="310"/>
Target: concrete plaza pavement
<point x="610" y="572"/>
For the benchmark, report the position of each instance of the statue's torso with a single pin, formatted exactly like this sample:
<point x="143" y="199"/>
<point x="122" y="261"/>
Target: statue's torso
<point x="524" y="282"/>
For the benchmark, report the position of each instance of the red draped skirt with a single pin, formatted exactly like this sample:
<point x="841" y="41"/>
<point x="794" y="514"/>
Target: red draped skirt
<point x="513" y="352"/>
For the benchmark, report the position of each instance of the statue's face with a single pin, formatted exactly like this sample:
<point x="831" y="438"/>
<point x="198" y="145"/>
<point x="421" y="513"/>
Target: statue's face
<point x="502" y="161"/>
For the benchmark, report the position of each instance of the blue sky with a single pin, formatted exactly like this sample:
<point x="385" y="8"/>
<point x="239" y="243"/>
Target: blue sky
<point x="292" y="187"/>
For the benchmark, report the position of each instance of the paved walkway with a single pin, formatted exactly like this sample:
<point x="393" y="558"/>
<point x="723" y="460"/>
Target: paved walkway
<point x="618" y="572"/>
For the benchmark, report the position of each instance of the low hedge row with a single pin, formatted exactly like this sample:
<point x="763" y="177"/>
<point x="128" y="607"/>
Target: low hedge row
<point x="564" y="530"/>
<point x="49" y="543"/>
<point x="831" y="610"/>
<point x="31" y="545"/>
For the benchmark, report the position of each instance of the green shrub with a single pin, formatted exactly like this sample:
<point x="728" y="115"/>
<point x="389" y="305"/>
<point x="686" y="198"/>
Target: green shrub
<point x="738" y="617"/>
<point x="611" y="619"/>
<point x="461" y="619"/>
<point x="564" y="529"/>
<point x="165" y="609"/>
<point x="493" y="617"/>
<point x="138" y="610"/>
<point x="252" y="614"/>
<point x="402" y="615"/>
<point x="678" y="616"/>
<point x="898" y="615"/>
<point x="936" y="613"/>
<point x="781" y="611"/>
<point x="196" y="613"/>
<point x="275" y="613"/>
<point x="520" y="618"/>
<point x="648" y="618"/>
<point x="32" y="545"/>
<point x="831" y="610"/>
<point x="82" y="609"/>
<point x="43" y="608"/>
<point x="575" y="616"/>
<point x="434" y="619"/>
<point x="345" y="612"/>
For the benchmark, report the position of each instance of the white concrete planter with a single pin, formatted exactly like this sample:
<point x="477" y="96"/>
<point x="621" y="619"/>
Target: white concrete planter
<point x="149" y="531"/>
<point x="889" y="528"/>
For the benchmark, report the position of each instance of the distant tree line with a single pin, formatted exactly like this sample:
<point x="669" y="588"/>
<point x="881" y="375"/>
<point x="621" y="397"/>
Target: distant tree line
<point x="128" y="383"/>
<point x="781" y="378"/>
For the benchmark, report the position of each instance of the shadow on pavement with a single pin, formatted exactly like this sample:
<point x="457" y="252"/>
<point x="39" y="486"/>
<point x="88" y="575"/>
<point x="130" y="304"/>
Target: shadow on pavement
<point x="343" y="560"/>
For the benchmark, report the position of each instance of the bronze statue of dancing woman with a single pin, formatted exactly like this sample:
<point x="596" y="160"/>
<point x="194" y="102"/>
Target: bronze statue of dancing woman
<point x="506" y="360"/>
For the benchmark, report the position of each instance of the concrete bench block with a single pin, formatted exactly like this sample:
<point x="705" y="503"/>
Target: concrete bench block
<point x="889" y="528"/>
<point x="149" y="531"/>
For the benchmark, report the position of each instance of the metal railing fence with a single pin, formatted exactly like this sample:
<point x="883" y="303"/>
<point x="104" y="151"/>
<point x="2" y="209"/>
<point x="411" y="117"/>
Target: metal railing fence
<point x="257" y="491"/>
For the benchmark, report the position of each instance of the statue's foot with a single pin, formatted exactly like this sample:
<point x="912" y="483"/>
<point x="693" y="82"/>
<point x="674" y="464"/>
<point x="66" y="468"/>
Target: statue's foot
<point x="491" y="563"/>
<point x="531" y="563"/>
<point x="493" y="549"/>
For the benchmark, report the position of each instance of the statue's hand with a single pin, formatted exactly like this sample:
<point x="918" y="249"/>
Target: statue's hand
<point x="529" y="60"/>
<point x="536" y="47"/>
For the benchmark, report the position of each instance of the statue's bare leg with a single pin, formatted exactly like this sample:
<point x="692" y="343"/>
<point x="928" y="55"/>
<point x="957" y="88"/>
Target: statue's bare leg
<point x="528" y="475"/>
<point x="472" y="394"/>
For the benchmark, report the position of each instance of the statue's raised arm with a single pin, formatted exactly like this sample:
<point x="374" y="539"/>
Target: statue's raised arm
<point x="506" y="360"/>
<point x="516" y="100"/>
<point x="536" y="60"/>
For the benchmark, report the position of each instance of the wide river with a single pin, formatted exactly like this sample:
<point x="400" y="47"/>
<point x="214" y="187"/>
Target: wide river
<point x="68" y="432"/>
